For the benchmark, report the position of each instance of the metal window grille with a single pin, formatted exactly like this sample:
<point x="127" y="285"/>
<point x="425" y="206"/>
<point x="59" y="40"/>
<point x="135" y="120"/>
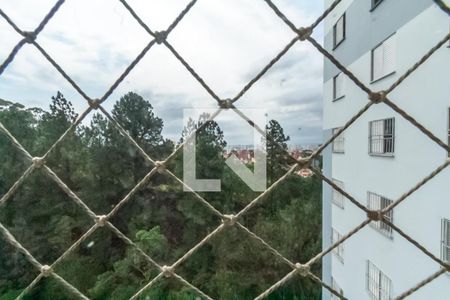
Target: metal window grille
<point x="338" y="198"/>
<point x="384" y="58"/>
<point x="338" y="142"/>
<point x="339" y="250"/>
<point x="445" y="240"/>
<point x="378" y="285"/>
<point x="338" y="86"/>
<point x="377" y="202"/>
<point x="339" y="31"/>
<point x="337" y="288"/>
<point x="382" y="137"/>
<point x="302" y="34"/>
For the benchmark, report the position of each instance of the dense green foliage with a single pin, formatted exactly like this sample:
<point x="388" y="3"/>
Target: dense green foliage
<point x="101" y="166"/>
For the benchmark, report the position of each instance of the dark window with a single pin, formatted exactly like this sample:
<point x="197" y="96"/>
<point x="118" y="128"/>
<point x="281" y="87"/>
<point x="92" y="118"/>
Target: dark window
<point x="339" y="31"/>
<point x="338" y="86"/>
<point x="388" y="136"/>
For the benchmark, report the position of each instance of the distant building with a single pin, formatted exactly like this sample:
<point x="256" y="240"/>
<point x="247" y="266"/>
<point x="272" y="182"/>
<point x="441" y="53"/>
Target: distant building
<point x="246" y="153"/>
<point x="381" y="155"/>
<point x="245" y="156"/>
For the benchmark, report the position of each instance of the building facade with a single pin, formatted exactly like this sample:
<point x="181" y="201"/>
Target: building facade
<point x="381" y="156"/>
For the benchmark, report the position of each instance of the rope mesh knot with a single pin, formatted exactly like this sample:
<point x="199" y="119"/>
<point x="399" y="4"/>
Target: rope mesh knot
<point x="101" y="220"/>
<point x="375" y="215"/>
<point x="377" y="97"/>
<point x="29" y="36"/>
<point x="225" y="104"/>
<point x="95" y="104"/>
<point x="229" y="220"/>
<point x="304" y="162"/>
<point x="302" y="270"/>
<point x="167" y="271"/>
<point x="160" y="37"/>
<point x="304" y="33"/>
<point x="46" y="270"/>
<point x="160" y="166"/>
<point x="38" y="162"/>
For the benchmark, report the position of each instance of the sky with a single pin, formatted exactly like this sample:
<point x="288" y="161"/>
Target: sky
<point x="227" y="42"/>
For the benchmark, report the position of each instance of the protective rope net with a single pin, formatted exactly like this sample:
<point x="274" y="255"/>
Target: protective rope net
<point x="303" y="34"/>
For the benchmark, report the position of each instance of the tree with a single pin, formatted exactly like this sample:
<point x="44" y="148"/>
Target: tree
<point x="21" y="124"/>
<point x="277" y="161"/>
<point x="133" y="271"/>
<point x="39" y="213"/>
<point x="136" y="116"/>
<point x="209" y="145"/>
<point x="54" y="123"/>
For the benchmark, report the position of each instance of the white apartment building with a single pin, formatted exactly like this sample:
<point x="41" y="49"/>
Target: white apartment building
<point x="382" y="156"/>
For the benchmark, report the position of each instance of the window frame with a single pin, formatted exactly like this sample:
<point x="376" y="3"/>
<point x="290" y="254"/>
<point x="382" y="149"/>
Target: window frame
<point x="372" y="78"/>
<point x="448" y="129"/>
<point x="337" y="97"/>
<point x="339" y="250"/>
<point x="337" y="288"/>
<point x="344" y="29"/>
<point x="383" y="138"/>
<point x="448" y="46"/>
<point x="336" y="194"/>
<point x="338" y="141"/>
<point x="377" y="280"/>
<point x="380" y="226"/>
<point x="375" y="4"/>
<point x="445" y="244"/>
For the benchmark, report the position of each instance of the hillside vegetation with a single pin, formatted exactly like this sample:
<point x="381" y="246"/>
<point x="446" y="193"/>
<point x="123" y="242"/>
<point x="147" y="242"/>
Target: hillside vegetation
<point x="100" y="166"/>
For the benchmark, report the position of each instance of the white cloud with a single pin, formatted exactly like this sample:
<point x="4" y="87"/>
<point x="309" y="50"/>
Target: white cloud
<point x="226" y="41"/>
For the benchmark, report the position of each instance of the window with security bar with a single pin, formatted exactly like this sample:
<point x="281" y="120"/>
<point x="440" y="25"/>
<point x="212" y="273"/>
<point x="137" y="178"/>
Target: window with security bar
<point x="337" y="288"/>
<point x="382" y="137"/>
<point x="338" y="86"/>
<point x="379" y="286"/>
<point x="339" y="31"/>
<point x="339" y="142"/>
<point x="445" y="240"/>
<point x="338" y="199"/>
<point x="384" y="59"/>
<point x="448" y="134"/>
<point x="377" y="202"/>
<point x="339" y="250"/>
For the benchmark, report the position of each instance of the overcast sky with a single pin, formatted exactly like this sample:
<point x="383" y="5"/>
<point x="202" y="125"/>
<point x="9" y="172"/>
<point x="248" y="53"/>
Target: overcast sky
<point x="227" y="42"/>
